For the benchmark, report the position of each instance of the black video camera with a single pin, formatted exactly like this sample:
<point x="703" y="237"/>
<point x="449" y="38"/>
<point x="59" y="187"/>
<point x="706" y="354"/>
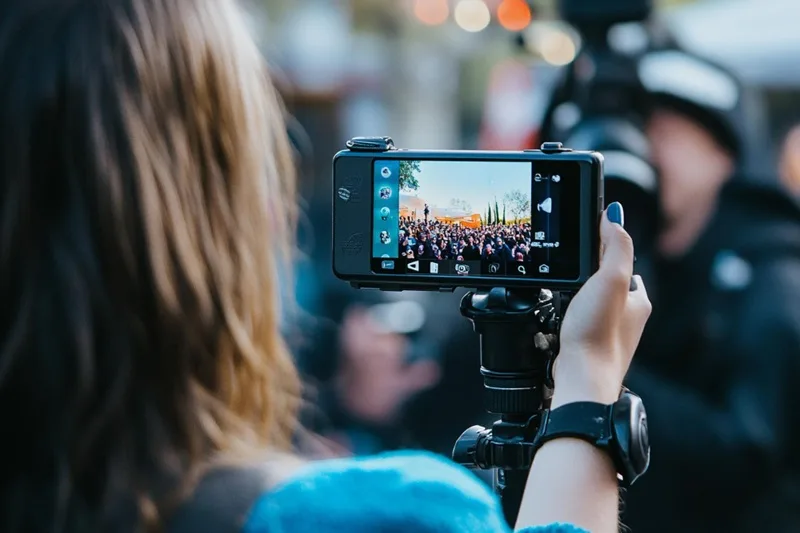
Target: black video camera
<point x="601" y="105"/>
<point x="629" y="66"/>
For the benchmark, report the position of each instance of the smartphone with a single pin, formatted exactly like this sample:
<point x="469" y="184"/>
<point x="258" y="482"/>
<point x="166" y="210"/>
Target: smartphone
<point x="441" y="220"/>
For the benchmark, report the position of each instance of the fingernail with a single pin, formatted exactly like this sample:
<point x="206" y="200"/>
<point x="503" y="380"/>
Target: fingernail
<point x="615" y="214"/>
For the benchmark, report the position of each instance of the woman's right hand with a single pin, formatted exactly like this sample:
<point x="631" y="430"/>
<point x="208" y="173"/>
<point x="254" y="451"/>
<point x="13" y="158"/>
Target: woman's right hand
<point x="604" y="322"/>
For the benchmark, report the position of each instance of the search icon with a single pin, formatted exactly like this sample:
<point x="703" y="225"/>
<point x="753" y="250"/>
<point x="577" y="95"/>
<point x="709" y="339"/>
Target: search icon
<point x="521" y="270"/>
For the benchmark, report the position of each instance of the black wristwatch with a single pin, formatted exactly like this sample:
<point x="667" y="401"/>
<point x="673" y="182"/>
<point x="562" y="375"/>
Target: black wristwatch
<point x="620" y="429"/>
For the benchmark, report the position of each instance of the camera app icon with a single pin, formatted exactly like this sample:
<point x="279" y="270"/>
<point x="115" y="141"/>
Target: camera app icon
<point x="386" y="173"/>
<point x="462" y="270"/>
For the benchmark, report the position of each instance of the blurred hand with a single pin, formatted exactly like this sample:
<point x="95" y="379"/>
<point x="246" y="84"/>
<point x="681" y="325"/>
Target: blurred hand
<point x="790" y="161"/>
<point x="603" y="324"/>
<point x="375" y="379"/>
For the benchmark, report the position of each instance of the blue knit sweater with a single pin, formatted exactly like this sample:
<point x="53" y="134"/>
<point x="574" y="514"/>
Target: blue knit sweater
<point x="394" y="492"/>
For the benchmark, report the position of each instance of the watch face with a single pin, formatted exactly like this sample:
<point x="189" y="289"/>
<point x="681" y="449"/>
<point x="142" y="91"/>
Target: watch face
<point x="641" y="441"/>
<point x="632" y="437"/>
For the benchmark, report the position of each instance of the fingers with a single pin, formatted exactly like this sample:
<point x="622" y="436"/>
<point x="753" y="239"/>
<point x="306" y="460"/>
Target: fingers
<point x="637" y="285"/>
<point x="638" y="299"/>
<point x="355" y="316"/>
<point x="616" y="263"/>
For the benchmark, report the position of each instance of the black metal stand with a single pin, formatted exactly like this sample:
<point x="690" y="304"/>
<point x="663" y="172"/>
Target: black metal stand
<point x="519" y="341"/>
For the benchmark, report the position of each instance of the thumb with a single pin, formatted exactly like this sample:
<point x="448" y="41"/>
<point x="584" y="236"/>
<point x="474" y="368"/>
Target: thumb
<point x="617" y="245"/>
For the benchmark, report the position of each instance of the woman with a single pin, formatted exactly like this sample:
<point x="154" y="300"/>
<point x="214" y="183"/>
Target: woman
<point x="146" y="190"/>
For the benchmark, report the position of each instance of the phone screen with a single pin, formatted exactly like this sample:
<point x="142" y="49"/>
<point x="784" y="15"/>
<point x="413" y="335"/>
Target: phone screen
<point x="477" y="218"/>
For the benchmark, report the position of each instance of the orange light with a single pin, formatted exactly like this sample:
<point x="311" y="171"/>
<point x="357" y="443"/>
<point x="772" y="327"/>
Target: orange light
<point x="431" y="12"/>
<point x="514" y="15"/>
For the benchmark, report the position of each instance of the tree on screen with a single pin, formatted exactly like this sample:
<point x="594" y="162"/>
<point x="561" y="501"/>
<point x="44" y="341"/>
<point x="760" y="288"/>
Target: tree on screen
<point x="408" y="178"/>
<point x="461" y="205"/>
<point x="496" y="212"/>
<point x="519" y="203"/>
<point x="504" y="213"/>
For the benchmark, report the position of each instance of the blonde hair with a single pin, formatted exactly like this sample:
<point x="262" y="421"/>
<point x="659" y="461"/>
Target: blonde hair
<point x="147" y="213"/>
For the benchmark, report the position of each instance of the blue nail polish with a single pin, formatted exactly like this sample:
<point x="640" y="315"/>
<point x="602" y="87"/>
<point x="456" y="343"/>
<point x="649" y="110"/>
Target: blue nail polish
<point x="615" y="214"/>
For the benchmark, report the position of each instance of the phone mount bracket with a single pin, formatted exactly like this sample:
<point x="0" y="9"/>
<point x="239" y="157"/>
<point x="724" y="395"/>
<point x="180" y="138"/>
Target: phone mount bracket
<point x="370" y="144"/>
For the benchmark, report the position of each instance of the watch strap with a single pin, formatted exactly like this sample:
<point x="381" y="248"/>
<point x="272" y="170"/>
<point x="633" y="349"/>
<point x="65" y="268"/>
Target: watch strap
<point x="587" y="421"/>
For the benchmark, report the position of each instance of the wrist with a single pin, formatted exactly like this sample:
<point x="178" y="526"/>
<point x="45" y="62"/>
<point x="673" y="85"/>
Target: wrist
<point x="599" y="387"/>
<point x="571" y="481"/>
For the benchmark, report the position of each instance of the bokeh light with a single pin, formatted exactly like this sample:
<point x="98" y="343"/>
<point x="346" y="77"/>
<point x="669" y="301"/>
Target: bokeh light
<point x="514" y="15"/>
<point x="557" y="48"/>
<point x="472" y="15"/>
<point x="431" y="12"/>
<point x="555" y="42"/>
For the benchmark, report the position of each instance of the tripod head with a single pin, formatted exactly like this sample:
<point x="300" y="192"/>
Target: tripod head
<point x="519" y="342"/>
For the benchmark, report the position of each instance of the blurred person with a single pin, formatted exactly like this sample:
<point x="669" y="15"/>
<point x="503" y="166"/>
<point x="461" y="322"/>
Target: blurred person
<point x="719" y="364"/>
<point x="362" y="402"/>
<point x="335" y="336"/>
<point x="147" y="202"/>
<point x="489" y="254"/>
<point x="790" y="162"/>
<point x="504" y="251"/>
<point x="438" y="416"/>
<point x="393" y="390"/>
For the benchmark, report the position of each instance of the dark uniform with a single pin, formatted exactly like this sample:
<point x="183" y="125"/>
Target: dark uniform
<point x="719" y="371"/>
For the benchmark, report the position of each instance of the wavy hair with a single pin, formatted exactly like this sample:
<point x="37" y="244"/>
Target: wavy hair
<point x="146" y="210"/>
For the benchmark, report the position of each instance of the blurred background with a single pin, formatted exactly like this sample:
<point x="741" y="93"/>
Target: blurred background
<point x="391" y="371"/>
<point x="469" y="74"/>
<point x="461" y="74"/>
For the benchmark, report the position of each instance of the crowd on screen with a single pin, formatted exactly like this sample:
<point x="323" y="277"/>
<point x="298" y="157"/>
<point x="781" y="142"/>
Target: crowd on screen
<point x="435" y="240"/>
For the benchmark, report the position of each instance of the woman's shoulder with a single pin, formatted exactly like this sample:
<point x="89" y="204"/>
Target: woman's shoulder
<point x="403" y="491"/>
<point x="411" y="490"/>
